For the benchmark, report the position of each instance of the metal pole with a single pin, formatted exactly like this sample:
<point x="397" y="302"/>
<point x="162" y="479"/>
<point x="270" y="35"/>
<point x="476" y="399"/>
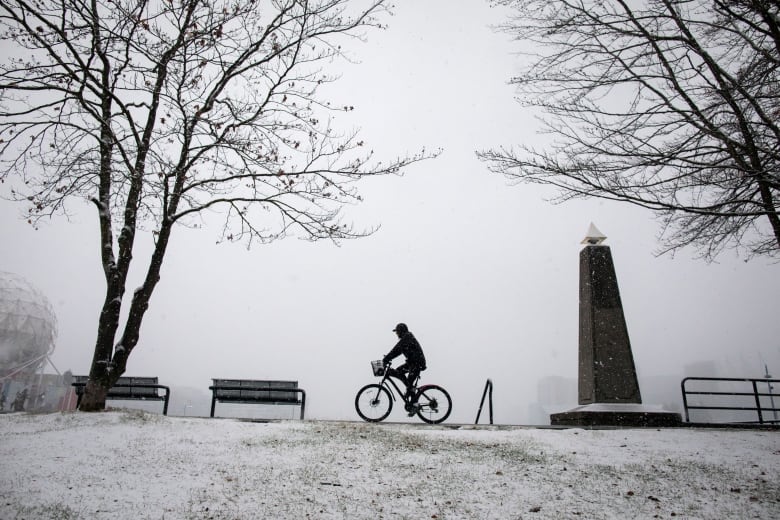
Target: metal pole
<point x="758" y="401"/>
<point x="487" y="392"/>
<point x="490" y="402"/>
<point x="771" y="388"/>
<point x="685" y="400"/>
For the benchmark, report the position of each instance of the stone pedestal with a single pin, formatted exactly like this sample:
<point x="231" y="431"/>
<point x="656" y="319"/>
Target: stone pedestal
<point x="616" y="415"/>
<point x="608" y="385"/>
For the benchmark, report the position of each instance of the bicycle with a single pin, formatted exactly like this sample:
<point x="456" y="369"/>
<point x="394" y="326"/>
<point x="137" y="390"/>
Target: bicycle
<point x="374" y="402"/>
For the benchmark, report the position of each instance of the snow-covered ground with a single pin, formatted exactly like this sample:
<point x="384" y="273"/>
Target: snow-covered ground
<point x="135" y="465"/>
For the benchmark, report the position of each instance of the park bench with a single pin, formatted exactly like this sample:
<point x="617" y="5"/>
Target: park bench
<point x="257" y="392"/>
<point x="129" y="389"/>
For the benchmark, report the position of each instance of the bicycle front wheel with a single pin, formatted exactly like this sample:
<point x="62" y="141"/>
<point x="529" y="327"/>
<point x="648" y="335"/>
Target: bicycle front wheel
<point x="373" y="403"/>
<point x="435" y="404"/>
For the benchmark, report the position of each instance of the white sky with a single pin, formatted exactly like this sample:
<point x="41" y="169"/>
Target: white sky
<point x="485" y="274"/>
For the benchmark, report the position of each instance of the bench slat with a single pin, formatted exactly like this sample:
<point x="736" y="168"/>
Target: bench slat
<point x="125" y="388"/>
<point x="255" y="391"/>
<point x="129" y="388"/>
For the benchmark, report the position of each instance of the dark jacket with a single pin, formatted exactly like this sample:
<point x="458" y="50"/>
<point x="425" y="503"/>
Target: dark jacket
<point x="409" y="347"/>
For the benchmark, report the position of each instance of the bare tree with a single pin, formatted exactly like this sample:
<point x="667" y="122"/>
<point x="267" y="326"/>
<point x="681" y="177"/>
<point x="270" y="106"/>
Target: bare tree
<point x="158" y="110"/>
<point x="671" y="105"/>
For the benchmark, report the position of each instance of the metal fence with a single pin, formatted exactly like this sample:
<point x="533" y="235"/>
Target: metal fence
<point x="737" y="400"/>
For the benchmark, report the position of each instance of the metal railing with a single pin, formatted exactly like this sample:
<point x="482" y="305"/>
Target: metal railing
<point x="730" y="397"/>
<point x="488" y="392"/>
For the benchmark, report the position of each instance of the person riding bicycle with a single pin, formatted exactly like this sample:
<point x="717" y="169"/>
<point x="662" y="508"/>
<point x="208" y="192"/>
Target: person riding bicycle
<point x="410" y="370"/>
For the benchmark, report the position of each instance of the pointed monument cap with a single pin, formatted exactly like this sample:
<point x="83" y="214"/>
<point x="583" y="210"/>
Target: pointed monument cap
<point x="594" y="236"/>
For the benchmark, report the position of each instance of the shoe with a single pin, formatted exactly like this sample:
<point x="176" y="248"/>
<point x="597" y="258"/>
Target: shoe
<point x="412" y="409"/>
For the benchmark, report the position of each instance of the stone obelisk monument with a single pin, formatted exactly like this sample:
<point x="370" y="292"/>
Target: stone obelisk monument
<point x="606" y="369"/>
<point x="608" y="385"/>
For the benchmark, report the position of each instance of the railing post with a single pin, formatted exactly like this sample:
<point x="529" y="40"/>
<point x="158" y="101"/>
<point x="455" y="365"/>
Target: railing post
<point x="487" y="392"/>
<point x="490" y="402"/>
<point x="758" y="402"/>
<point x="685" y="400"/>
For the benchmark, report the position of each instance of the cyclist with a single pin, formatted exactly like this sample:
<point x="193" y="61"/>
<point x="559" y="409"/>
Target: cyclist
<point x="410" y="370"/>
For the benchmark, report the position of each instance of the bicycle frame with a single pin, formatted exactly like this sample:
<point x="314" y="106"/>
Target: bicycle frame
<point x="431" y="403"/>
<point x="387" y="378"/>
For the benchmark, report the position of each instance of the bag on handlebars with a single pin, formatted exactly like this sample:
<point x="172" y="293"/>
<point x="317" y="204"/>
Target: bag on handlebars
<point x="378" y="367"/>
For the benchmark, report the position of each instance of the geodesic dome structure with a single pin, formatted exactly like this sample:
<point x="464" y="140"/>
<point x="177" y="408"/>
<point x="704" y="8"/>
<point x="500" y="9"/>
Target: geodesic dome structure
<point x="28" y="327"/>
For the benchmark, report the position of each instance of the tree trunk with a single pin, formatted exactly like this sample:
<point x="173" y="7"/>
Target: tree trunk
<point x="110" y="361"/>
<point x="769" y="205"/>
<point x="102" y="375"/>
<point x="140" y="302"/>
<point x="94" y="397"/>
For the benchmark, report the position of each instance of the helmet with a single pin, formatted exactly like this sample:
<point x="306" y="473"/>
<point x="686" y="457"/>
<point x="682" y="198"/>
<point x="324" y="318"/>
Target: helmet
<point x="401" y="328"/>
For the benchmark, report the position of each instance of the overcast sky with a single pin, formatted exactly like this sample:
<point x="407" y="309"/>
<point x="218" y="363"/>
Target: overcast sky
<point x="484" y="273"/>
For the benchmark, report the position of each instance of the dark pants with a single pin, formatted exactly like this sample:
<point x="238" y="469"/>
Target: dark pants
<point x="408" y="374"/>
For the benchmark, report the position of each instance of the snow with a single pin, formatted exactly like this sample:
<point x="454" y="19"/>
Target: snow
<point x="620" y="407"/>
<point x="129" y="464"/>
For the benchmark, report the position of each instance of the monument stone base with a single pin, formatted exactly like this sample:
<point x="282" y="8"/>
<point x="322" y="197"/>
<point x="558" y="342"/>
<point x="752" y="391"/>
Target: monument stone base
<point x="616" y="414"/>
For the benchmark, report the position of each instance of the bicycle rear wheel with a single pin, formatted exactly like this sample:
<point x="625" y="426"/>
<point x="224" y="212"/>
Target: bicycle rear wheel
<point x="373" y="403"/>
<point x="435" y="404"/>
